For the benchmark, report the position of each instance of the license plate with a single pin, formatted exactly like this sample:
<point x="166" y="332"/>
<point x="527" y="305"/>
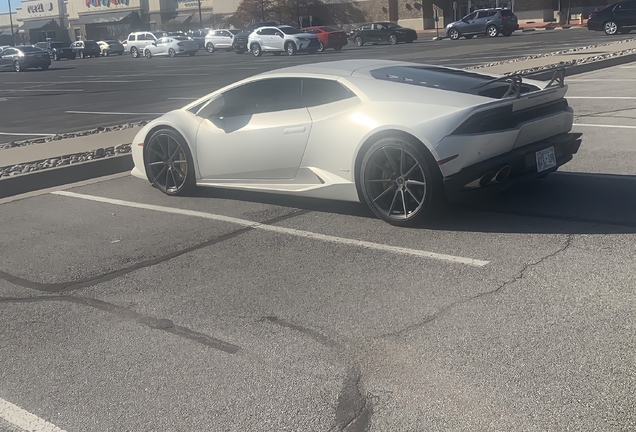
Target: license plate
<point x="546" y="159"/>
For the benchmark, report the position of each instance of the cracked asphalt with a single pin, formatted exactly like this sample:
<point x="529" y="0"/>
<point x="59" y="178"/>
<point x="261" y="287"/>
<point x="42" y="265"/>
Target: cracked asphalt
<point x="116" y="318"/>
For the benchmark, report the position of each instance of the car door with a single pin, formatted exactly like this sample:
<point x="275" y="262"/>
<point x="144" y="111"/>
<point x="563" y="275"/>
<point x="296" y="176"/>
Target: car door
<point x="225" y="38"/>
<point x="6" y="58"/>
<point x="366" y="32"/>
<point x="260" y="133"/>
<point x="278" y="40"/>
<point x="380" y="33"/>
<point x="161" y="46"/>
<point x="482" y="20"/>
<point x="468" y="24"/>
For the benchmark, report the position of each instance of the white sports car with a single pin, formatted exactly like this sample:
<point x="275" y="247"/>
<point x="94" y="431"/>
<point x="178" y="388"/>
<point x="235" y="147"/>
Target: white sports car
<point x="397" y="136"/>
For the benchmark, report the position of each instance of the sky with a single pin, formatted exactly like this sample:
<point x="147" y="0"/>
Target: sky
<point x="4" y="5"/>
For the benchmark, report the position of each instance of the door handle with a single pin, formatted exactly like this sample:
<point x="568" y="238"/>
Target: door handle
<point x="294" y="130"/>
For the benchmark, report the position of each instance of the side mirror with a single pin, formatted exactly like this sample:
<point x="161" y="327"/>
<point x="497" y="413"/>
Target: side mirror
<point x="212" y="108"/>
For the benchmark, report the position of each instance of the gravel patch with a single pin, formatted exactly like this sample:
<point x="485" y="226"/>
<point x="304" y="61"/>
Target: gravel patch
<point x="100" y="153"/>
<point x="57" y="137"/>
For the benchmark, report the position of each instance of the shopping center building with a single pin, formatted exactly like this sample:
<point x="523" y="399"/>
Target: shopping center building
<point x="38" y="20"/>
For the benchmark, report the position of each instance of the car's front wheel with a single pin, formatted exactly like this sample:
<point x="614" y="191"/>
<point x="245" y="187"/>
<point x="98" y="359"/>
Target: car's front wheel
<point x="492" y="31"/>
<point x="610" y="28"/>
<point x="290" y="48"/>
<point x="392" y="39"/>
<point x="168" y="163"/>
<point x="134" y="52"/>
<point x="255" y="49"/>
<point x="210" y="48"/>
<point x="148" y="54"/>
<point x="358" y="41"/>
<point x="453" y="34"/>
<point x="172" y="52"/>
<point x="397" y="181"/>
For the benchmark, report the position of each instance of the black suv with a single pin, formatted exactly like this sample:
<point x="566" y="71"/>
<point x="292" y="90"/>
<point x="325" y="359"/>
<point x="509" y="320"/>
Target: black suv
<point x="239" y="44"/>
<point x="617" y="18"/>
<point x="57" y="49"/>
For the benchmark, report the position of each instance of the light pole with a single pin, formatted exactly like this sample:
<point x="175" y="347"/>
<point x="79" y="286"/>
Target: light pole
<point x="11" y="21"/>
<point x="200" y="16"/>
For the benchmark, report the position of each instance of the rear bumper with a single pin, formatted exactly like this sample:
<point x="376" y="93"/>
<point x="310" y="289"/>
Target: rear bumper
<point x="522" y="163"/>
<point x="596" y="26"/>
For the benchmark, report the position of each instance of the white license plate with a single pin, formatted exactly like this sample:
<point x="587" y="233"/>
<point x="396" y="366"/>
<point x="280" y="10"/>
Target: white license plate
<point x="546" y="159"/>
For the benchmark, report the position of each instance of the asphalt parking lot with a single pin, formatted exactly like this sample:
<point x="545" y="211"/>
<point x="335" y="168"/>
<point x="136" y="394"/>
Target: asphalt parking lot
<point x="124" y="309"/>
<point x="85" y="94"/>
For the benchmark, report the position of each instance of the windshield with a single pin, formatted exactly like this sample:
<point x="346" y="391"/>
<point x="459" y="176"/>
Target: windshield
<point x="58" y="45"/>
<point x="30" y="49"/>
<point x="392" y="26"/>
<point x="330" y="29"/>
<point x="180" y="38"/>
<point x="290" y="30"/>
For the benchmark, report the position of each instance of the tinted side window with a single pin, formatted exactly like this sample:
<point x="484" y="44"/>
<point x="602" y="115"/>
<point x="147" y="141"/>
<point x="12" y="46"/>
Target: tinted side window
<point x="269" y="95"/>
<point x="471" y="16"/>
<point x="506" y="13"/>
<point x="629" y="6"/>
<point x="267" y="32"/>
<point x="8" y="51"/>
<point x="317" y="91"/>
<point x="482" y="14"/>
<point x="366" y="27"/>
<point x="131" y="37"/>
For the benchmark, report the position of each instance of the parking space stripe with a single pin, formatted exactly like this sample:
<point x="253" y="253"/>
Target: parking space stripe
<point x="605" y="126"/>
<point x="110" y="113"/>
<point x="26" y="134"/>
<point x="23" y="419"/>
<point x="283" y="230"/>
<point x="601" y="97"/>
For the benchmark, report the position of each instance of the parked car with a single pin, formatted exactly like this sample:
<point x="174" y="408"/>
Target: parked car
<point x="282" y="39"/>
<point x="199" y="36"/>
<point x="136" y="42"/>
<point x="58" y="50"/>
<point x="305" y="123"/>
<point x="23" y="57"/>
<point x="109" y="47"/>
<point x="239" y="43"/>
<point x="616" y="18"/>
<point x="3" y="47"/>
<point x="489" y="22"/>
<point x="328" y="37"/>
<point x="382" y="32"/>
<point x="220" y="39"/>
<point x="171" y="46"/>
<point x="85" y="49"/>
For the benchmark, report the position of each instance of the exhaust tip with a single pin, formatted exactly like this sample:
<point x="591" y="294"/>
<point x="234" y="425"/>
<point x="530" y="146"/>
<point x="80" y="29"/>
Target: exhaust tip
<point x="486" y="178"/>
<point x="503" y="173"/>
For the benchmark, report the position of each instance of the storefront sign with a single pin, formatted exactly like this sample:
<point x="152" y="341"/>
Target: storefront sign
<point x="40" y="8"/>
<point x="106" y="3"/>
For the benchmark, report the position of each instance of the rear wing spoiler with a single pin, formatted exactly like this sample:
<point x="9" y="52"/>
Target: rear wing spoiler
<point x="515" y="80"/>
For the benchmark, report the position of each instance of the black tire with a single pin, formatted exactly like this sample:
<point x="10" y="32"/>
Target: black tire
<point x="321" y="47"/>
<point x="358" y="41"/>
<point x="147" y="54"/>
<point x="239" y="51"/>
<point x="256" y="50"/>
<point x="610" y="28"/>
<point x="45" y="67"/>
<point x="17" y="66"/>
<point x="161" y="153"/>
<point x="492" y="31"/>
<point x="290" y="48"/>
<point x="210" y="47"/>
<point x="400" y="182"/>
<point x="392" y="39"/>
<point x="172" y="53"/>
<point x="469" y="36"/>
<point x="338" y="48"/>
<point x="453" y="34"/>
<point x="134" y="52"/>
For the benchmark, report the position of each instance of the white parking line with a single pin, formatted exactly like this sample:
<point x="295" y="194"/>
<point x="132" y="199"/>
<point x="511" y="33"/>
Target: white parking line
<point x="605" y="126"/>
<point x="282" y="230"/>
<point x="26" y="134"/>
<point x="44" y="90"/>
<point x="183" y="98"/>
<point x="607" y="80"/>
<point x="25" y="420"/>
<point x="602" y="97"/>
<point x="110" y="113"/>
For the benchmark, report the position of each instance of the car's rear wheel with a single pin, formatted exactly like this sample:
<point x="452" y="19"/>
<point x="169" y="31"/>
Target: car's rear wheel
<point x="610" y="28"/>
<point x="172" y="52"/>
<point x="358" y="41"/>
<point x="17" y="66"/>
<point x="255" y="49"/>
<point x="168" y="163"/>
<point x="290" y="48"/>
<point x="392" y="39"/>
<point x="453" y="34"/>
<point x="397" y="182"/>
<point x="492" y="31"/>
<point x="148" y="54"/>
<point x="210" y="48"/>
<point x="321" y="47"/>
<point x="134" y="52"/>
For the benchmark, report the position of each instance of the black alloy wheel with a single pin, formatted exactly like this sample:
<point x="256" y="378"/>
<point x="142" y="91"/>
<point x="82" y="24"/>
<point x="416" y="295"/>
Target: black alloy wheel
<point x="255" y="49"/>
<point x="453" y="34"/>
<point x="168" y="163"/>
<point x="392" y="39"/>
<point x="397" y="182"/>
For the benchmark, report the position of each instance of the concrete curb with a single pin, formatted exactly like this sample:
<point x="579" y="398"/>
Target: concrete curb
<point x="588" y="67"/>
<point x="23" y="183"/>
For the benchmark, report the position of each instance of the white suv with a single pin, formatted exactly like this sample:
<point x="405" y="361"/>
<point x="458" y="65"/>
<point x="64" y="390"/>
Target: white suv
<point x="137" y="41"/>
<point x="219" y="39"/>
<point x="281" y="39"/>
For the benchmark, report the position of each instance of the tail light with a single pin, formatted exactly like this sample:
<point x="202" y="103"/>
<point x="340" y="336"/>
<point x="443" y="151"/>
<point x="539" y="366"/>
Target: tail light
<point x="591" y="15"/>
